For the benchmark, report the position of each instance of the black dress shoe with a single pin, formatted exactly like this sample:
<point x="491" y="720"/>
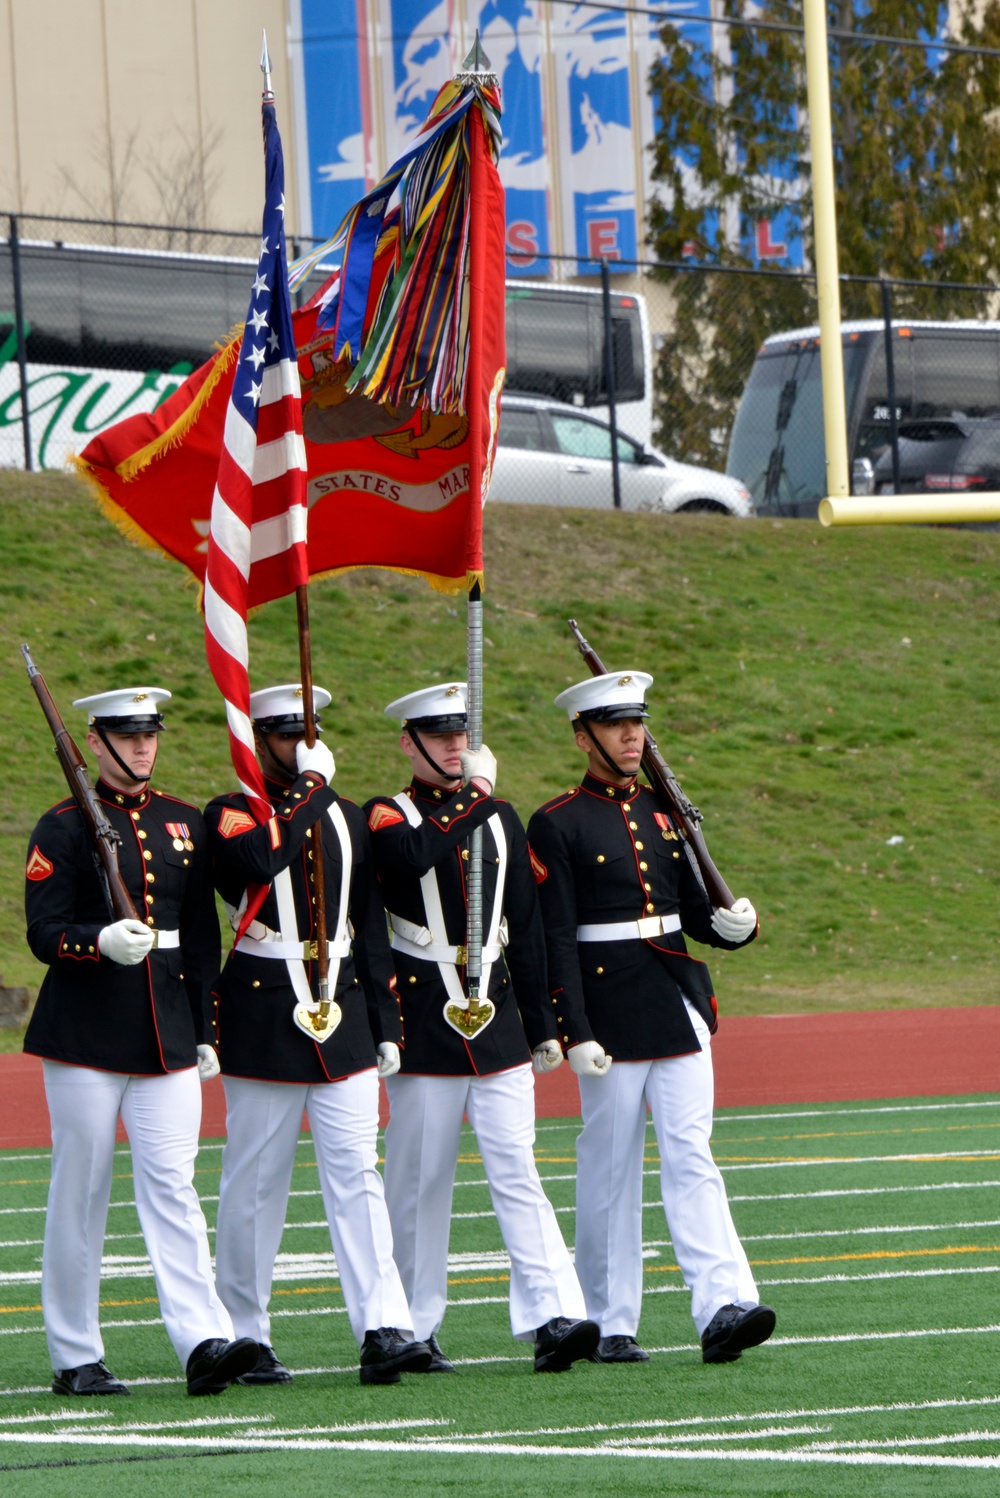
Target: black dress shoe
<point x="619" y="1349"/>
<point x="562" y="1342"/>
<point x="385" y="1354"/>
<point x="216" y="1363"/>
<point x="733" y="1329"/>
<point x="438" y="1363"/>
<point x="89" y="1378"/>
<point x="269" y="1369"/>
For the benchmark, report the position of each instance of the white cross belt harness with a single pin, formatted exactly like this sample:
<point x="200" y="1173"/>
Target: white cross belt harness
<point x="286" y="943"/>
<point x="430" y="942"/>
<point x="417" y="941"/>
<point x="650" y="925"/>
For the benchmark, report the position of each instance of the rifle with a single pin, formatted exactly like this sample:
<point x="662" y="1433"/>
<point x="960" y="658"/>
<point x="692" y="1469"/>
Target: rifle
<point x="104" y="838"/>
<point x="663" y="781"/>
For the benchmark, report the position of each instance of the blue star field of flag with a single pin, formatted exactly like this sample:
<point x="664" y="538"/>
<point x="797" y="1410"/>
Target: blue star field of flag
<point x="268" y="336"/>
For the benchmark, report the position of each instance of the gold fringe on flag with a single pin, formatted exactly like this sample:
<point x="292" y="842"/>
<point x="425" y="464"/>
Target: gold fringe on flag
<point x="451" y="585"/>
<point x="175" y="434"/>
<point x="119" y="518"/>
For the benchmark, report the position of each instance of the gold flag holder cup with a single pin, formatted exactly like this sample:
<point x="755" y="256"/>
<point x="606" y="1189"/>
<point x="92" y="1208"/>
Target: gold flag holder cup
<point x="318" y="1023"/>
<point x="470" y="1018"/>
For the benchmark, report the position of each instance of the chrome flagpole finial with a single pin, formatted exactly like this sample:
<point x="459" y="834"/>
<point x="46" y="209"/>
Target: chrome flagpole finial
<point x="265" y="67"/>
<point x="477" y="67"/>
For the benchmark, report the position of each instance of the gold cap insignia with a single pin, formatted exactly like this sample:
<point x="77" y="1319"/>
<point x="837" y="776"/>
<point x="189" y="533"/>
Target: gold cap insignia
<point x="140" y="696"/>
<point x="451" y="692"/>
<point x="623" y="681"/>
<point x="297" y="692"/>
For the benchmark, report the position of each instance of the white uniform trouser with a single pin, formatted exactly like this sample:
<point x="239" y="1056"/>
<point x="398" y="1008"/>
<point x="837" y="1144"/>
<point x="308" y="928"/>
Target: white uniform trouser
<point x="609" y="1158"/>
<point x="421" y="1155"/>
<point x="162" y="1116"/>
<point x="263" y="1120"/>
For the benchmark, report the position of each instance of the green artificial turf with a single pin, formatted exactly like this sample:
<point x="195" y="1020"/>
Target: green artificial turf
<point x="873" y="1229"/>
<point x="829" y="699"/>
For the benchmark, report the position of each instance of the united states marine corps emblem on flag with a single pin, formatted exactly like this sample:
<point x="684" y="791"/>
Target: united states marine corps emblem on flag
<point x="38" y="866"/>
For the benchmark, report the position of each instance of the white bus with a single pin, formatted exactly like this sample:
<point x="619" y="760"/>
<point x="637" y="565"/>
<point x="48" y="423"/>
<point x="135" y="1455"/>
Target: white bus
<point x="111" y="332"/>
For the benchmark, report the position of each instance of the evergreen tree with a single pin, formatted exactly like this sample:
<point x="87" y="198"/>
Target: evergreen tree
<point x="917" y="170"/>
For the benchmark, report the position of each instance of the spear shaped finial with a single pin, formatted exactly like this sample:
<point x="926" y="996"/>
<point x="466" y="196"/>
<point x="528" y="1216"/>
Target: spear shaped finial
<point x="477" y="67"/>
<point x="265" y="67"/>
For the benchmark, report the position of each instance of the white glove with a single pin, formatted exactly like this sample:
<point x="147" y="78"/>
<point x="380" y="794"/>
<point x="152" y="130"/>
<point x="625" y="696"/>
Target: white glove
<point x="588" y="1059"/>
<point x="479" y="764"/>
<point x="208" y="1063"/>
<point x="388" y="1062"/>
<point x="736" y="924"/>
<point x="126" y="942"/>
<point x="318" y="759"/>
<point x="547" y="1056"/>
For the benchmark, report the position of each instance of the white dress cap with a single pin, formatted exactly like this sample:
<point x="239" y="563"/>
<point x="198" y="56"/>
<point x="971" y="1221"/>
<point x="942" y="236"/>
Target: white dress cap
<point x="616" y="694"/>
<point x="285" y="701"/>
<point x="126" y="704"/>
<point x="444" y="705"/>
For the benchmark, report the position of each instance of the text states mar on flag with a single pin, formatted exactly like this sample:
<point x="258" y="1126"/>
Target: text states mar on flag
<point x="257" y="526"/>
<point x="385" y="368"/>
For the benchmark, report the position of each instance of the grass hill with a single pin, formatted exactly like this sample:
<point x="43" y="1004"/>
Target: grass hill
<point x="829" y="699"/>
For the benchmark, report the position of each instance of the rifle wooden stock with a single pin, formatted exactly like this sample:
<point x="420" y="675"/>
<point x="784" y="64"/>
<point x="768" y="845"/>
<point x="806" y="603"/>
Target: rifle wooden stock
<point x="664" y="782"/>
<point x="104" y="839"/>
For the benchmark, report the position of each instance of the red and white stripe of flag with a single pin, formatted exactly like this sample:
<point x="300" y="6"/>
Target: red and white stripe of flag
<point x="258" y="527"/>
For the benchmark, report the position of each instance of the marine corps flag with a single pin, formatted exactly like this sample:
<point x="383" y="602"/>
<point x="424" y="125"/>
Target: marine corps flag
<point x="401" y="362"/>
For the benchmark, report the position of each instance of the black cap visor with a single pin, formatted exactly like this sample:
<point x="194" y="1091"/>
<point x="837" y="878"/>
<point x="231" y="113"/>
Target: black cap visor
<point x="284" y="723"/>
<point x="444" y="723"/>
<point x="615" y="713"/>
<point x="149" y="723"/>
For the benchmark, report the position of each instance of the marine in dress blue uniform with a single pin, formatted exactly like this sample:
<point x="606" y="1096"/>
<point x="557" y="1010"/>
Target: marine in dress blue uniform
<point x="420" y="841"/>
<point x="122" y="1025"/>
<point x="618" y="894"/>
<point x="272" y="1070"/>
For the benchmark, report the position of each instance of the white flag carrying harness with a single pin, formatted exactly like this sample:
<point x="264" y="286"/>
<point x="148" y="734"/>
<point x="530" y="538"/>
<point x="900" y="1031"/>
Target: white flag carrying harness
<point x="430" y="942"/>
<point x="286" y="943"/>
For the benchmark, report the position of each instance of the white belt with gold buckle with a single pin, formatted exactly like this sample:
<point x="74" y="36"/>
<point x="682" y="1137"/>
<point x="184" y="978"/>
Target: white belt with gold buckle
<point x="305" y="951"/>
<point x="164" y="939"/>
<point x="650" y="925"/>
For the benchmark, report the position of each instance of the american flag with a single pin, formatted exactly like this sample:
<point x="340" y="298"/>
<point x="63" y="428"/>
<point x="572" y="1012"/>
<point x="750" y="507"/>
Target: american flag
<point x="259" y="512"/>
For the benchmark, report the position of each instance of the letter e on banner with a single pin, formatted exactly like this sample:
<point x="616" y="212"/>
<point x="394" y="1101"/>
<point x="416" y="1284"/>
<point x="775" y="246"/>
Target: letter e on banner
<point x="602" y="239"/>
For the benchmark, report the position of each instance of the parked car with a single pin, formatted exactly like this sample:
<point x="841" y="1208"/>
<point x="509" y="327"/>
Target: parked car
<point x="553" y="454"/>
<point x="957" y="454"/>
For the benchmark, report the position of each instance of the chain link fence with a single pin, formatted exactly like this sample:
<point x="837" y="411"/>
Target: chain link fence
<point x="680" y="386"/>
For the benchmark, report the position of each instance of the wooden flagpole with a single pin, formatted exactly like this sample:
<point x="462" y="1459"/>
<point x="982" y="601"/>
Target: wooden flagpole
<point x="318" y="1023"/>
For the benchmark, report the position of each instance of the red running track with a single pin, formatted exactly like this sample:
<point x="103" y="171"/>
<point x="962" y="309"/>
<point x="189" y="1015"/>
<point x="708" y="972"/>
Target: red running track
<point x="800" y="1058"/>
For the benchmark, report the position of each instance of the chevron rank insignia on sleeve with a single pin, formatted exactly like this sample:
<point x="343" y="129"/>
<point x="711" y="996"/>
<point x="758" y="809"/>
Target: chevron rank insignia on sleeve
<point x="384" y="816"/>
<point x="538" y="868"/>
<point x="233" y="822"/>
<point x="38" y="866"/>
